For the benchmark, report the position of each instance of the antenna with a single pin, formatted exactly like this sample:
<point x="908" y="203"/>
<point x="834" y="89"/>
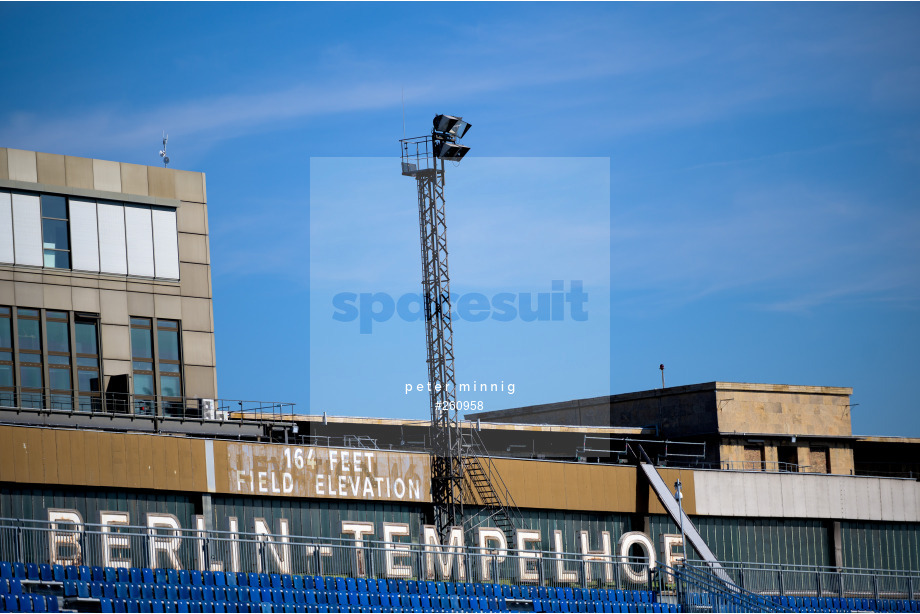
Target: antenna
<point x="163" y="151"/>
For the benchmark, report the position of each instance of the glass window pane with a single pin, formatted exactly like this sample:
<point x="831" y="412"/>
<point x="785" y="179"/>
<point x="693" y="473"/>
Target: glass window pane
<point x="88" y="381"/>
<point x="56" y="315"/>
<point x="54" y="206"/>
<point x="6" y="375"/>
<point x="31" y="377"/>
<point x="60" y="379"/>
<point x="58" y="337"/>
<point x="54" y="234"/>
<point x="31" y="400"/>
<point x="6" y="356"/>
<point x="28" y="312"/>
<point x="141" y="345"/>
<point x="58" y="360"/>
<point x="140" y="322"/>
<point x="142" y="366"/>
<point x="87" y="361"/>
<point x="168" y="341"/>
<point x="29" y="338"/>
<point x="86" y="338"/>
<point x="56" y="259"/>
<point x="170" y="386"/>
<point x="33" y="358"/>
<point x="6" y="333"/>
<point x="143" y="384"/>
<point x="169" y="367"/>
<point x="61" y="401"/>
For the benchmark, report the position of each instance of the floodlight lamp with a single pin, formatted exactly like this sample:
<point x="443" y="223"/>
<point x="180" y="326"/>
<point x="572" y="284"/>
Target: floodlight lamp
<point x="447" y="150"/>
<point x="451" y="126"/>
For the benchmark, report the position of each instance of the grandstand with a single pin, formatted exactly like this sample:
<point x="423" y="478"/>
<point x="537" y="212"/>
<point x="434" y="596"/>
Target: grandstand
<point x="128" y="485"/>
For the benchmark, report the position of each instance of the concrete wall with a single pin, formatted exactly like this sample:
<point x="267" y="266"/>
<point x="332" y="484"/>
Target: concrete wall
<point x="117" y="297"/>
<point x="803" y="495"/>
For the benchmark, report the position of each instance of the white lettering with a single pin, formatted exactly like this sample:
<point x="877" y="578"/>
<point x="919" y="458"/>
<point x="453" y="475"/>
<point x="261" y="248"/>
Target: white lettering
<point x="603" y="555"/>
<point x="491" y="535"/>
<point x="444" y="555"/>
<point x="167" y="545"/>
<point x="526" y="558"/>
<point x="110" y="542"/>
<point x="626" y="542"/>
<point x="562" y="574"/>
<point x="396" y="550"/>
<point x="69" y="539"/>
<point x="359" y="530"/>
<point x="280" y="549"/>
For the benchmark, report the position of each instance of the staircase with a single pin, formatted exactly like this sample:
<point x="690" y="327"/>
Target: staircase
<point x="482" y="479"/>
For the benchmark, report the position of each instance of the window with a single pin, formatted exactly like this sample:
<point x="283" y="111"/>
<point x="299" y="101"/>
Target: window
<point x="30" y="357"/>
<point x="55" y="232"/>
<point x="86" y="336"/>
<point x="7" y="377"/>
<point x="157" y="366"/>
<point x="53" y="348"/>
<point x="142" y="365"/>
<point x="71" y="232"/>
<point x="57" y="326"/>
<point x="170" y="366"/>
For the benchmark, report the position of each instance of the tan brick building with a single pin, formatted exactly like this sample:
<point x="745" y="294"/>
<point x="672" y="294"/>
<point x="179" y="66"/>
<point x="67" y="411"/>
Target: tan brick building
<point x="105" y="286"/>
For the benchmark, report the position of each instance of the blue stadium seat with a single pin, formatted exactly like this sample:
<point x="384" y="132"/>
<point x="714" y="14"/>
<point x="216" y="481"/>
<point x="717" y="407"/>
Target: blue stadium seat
<point x="6" y="570"/>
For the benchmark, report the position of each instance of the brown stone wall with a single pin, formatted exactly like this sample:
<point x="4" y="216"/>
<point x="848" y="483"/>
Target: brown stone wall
<point x="783" y="410"/>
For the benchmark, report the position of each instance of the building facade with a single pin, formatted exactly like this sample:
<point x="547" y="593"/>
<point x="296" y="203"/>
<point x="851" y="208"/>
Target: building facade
<point x="105" y="286"/>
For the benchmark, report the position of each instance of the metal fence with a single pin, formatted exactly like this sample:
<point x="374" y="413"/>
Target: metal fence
<point x="811" y="581"/>
<point x="161" y="546"/>
<point x="141" y="406"/>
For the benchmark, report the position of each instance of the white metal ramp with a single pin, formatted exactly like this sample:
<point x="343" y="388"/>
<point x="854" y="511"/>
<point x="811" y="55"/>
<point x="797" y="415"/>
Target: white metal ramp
<point x="681" y="519"/>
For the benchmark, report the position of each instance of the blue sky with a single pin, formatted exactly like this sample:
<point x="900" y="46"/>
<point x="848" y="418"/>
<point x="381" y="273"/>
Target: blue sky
<point x="762" y="162"/>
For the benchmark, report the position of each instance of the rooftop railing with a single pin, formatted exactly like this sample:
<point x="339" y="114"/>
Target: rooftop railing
<point x="141" y="406"/>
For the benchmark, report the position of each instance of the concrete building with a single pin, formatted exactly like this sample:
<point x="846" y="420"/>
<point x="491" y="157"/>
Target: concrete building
<point x="105" y="286"/>
<point x="745" y="426"/>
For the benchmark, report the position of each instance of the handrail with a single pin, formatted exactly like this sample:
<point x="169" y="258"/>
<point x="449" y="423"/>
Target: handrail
<point x="44" y="401"/>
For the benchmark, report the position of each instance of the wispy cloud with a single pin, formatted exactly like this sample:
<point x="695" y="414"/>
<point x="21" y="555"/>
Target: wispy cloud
<point x="790" y="248"/>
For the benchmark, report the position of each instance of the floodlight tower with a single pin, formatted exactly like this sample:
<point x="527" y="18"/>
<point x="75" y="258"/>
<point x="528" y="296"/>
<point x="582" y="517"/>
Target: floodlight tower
<point x="423" y="158"/>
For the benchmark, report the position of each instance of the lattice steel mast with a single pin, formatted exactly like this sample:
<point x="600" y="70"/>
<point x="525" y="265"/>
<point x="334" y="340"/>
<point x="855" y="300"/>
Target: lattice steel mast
<point x="423" y="158"/>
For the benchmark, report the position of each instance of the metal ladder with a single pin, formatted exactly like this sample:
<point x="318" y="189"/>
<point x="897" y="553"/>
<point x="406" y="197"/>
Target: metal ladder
<point x="481" y="478"/>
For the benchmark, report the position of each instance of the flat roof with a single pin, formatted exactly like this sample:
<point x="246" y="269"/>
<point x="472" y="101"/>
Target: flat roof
<point x="670" y="391"/>
<point x="497" y="426"/>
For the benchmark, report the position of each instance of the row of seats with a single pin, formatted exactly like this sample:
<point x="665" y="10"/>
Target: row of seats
<point x="412" y="604"/>
<point x="144" y="575"/>
<point x="232" y="594"/>
<point x="848" y="604"/>
<point x="556" y="605"/>
<point x="26" y="602"/>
